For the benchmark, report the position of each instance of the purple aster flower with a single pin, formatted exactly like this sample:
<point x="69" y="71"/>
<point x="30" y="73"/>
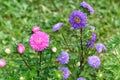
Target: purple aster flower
<point x="78" y="19"/>
<point x="87" y="6"/>
<point x="63" y="58"/>
<point x="94" y="61"/>
<point x="57" y="26"/>
<point x="81" y="78"/>
<point x="100" y="47"/>
<point x="90" y="44"/>
<point x="92" y="28"/>
<point x="65" y="71"/>
<point x="94" y="37"/>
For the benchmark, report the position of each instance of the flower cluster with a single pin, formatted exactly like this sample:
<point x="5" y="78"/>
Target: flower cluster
<point x="38" y="41"/>
<point x="78" y="21"/>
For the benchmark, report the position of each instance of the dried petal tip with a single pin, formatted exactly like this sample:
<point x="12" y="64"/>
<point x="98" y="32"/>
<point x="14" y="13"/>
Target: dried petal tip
<point x="100" y="47"/>
<point x="2" y="62"/>
<point x="81" y="78"/>
<point x="57" y="26"/>
<point x="35" y="29"/>
<point x="21" y="48"/>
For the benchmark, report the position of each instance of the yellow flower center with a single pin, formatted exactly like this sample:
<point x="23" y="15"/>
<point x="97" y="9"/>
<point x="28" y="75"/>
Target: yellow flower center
<point x="63" y="72"/>
<point x="77" y="20"/>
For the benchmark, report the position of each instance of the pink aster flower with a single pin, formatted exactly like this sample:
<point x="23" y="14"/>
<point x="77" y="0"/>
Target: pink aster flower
<point x="21" y="48"/>
<point x="2" y="62"/>
<point x="35" y="29"/>
<point x="39" y="41"/>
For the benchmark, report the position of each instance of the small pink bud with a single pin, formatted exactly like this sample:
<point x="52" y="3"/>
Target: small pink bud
<point x="21" y="48"/>
<point x="35" y="29"/>
<point x="2" y="62"/>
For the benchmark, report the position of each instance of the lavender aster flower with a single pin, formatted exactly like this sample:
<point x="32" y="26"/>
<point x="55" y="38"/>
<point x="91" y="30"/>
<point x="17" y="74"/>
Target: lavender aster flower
<point x="63" y="58"/>
<point x="57" y="26"/>
<point x="100" y="47"/>
<point x="81" y="78"/>
<point x="94" y="61"/>
<point x="65" y="71"/>
<point x="78" y="19"/>
<point x="87" y="6"/>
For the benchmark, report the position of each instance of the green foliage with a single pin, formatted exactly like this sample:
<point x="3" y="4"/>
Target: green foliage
<point x="17" y="17"/>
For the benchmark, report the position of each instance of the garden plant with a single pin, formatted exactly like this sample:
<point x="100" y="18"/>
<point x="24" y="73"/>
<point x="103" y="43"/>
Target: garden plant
<point x="53" y="43"/>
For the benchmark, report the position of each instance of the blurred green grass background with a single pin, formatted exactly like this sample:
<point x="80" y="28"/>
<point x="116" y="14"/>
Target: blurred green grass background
<point x="17" y="17"/>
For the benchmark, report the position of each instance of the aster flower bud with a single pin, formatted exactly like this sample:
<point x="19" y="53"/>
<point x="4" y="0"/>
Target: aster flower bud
<point x="92" y="41"/>
<point x="2" y="62"/>
<point x="35" y="29"/>
<point x="54" y="49"/>
<point x="115" y="52"/>
<point x="22" y="78"/>
<point x="94" y="36"/>
<point x="7" y="51"/>
<point x="21" y="48"/>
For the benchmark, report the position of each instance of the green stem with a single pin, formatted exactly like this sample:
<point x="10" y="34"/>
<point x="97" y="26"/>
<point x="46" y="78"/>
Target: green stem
<point x="82" y="55"/>
<point x="66" y="42"/>
<point x="39" y="64"/>
<point x="25" y="61"/>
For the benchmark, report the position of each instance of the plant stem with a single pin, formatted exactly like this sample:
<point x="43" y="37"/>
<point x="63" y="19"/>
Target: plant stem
<point x="66" y="42"/>
<point x="39" y="64"/>
<point x="25" y="61"/>
<point x="82" y="55"/>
